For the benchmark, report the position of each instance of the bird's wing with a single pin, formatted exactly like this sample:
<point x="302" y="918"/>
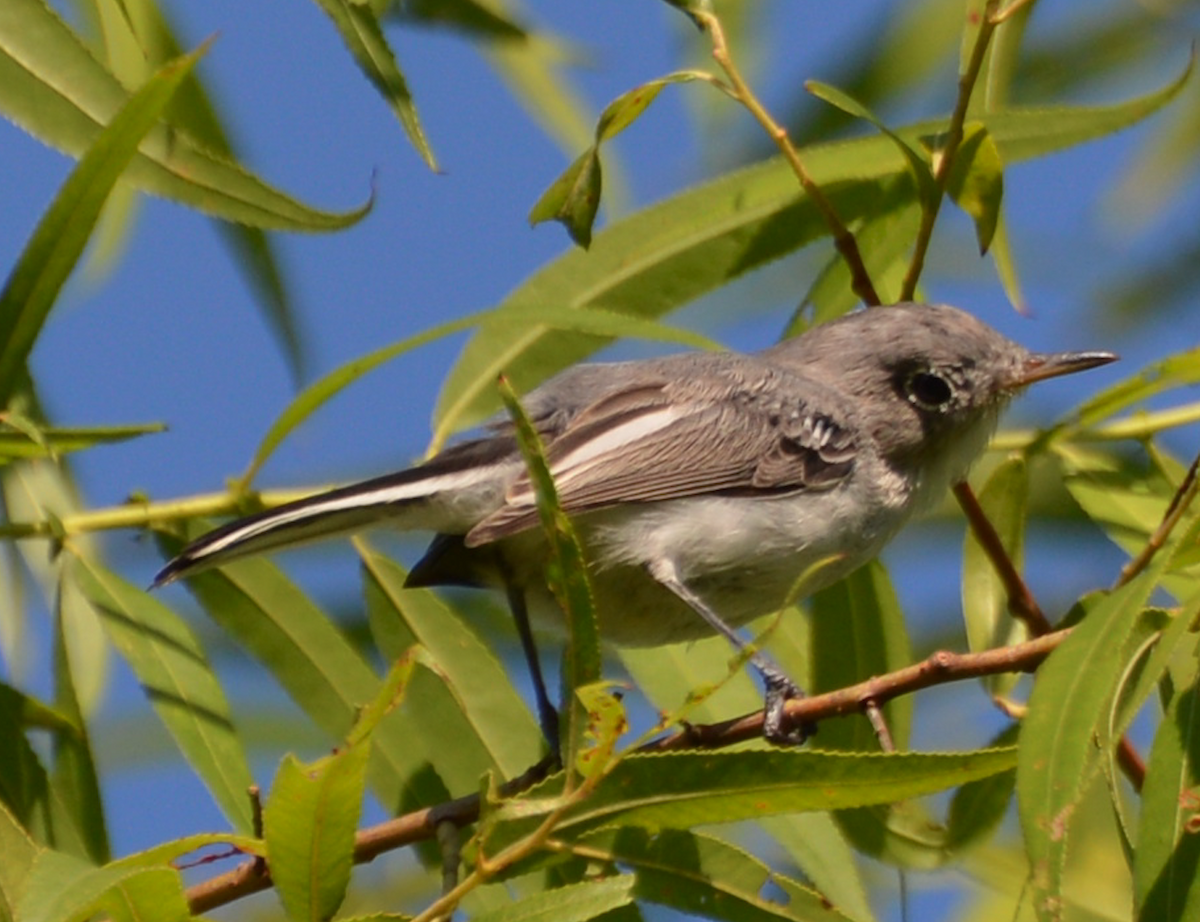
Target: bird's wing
<point x="650" y="443"/>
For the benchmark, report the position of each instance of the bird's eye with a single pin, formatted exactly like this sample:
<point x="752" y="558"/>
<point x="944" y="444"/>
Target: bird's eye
<point x="928" y="390"/>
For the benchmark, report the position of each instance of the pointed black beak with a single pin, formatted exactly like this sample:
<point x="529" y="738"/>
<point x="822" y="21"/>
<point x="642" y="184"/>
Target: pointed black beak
<point x="1042" y="365"/>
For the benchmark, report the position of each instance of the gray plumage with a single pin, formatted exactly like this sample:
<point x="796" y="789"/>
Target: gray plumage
<point x="703" y="485"/>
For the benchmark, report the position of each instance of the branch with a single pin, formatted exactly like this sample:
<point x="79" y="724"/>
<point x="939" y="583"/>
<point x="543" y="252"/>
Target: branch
<point x="421" y="825"/>
<point x="843" y="239"/>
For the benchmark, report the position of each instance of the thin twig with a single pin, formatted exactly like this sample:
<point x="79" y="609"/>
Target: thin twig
<point x="1021" y="602"/>
<point x="949" y="150"/>
<point x="843" y="239"/>
<point x="1176" y="509"/>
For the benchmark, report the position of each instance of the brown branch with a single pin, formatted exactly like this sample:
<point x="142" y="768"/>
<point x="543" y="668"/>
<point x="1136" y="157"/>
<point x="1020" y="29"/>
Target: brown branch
<point x="1021" y="603"/>
<point x="843" y="238"/>
<point x="945" y="160"/>
<point x="1183" y="498"/>
<point x="421" y="825"/>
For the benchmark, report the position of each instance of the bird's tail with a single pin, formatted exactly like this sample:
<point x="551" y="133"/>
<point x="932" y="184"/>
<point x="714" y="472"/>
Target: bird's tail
<point x="448" y="494"/>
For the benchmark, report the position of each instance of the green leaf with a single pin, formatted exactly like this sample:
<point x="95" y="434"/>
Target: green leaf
<point x="1176" y="371"/>
<point x="671" y="253"/>
<point x="470" y="699"/>
<point x="321" y="391"/>
<point x="18" y="852"/>
<point x="858" y="631"/>
<point x="74" y="778"/>
<point x="61" y="888"/>
<point x="574" y="197"/>
<point x="573" y="903"/>
<point x="1071" y="699"/>
<point x="315" y="665"/>
<point x="467" y="16"/>
<point x="309" y="822"/>
<point x="179" y="682"/>
<point x="700" y="875"/>
<point x="1004" y="499"/>
<point x="51" y="253"/>
<point x="18" y="442"/>
<point x="723" y="787"/>
<point x="918" y="166"/>
<point x="566" y="573"/>
<point x="363" y="37"/>
<point x="976" y="182"/>
<point x="53" y="87"/>
<point x="1166" y="867"/>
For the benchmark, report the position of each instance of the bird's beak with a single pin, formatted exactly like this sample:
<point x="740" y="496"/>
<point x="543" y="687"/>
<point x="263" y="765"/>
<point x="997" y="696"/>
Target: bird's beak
<point x="1042" y="365"/>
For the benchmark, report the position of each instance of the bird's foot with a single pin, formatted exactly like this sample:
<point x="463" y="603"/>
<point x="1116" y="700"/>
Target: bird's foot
<point x="776" y="724"/>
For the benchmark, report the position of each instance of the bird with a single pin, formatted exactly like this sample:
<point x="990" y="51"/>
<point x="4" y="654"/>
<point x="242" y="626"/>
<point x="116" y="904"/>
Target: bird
<point x="702" y="485"/>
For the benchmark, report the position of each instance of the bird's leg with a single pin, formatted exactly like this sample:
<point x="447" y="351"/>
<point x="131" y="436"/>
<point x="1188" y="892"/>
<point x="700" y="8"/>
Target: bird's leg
<point x="547" y="713"/>
<point x="779" y="688"/>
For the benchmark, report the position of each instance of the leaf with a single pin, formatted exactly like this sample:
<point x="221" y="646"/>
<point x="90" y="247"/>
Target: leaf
<point x="467" y="16"/>
<point x="364" y="39"/>
<point x="671" y="253"/>
<point x="723" y="787"/>
<point x="918" y="166"/>
<point x="74" y="778"/>
<point x="51" y="86"/>
<point x="1004" y="499"/>
<point x="313" y="662"/>
<point x="1058" y="759"/>
<point x="574" y="197"/>
<point x="17" y="442"/>
<point x="18" y="852"/>
<point x="57" y="243"/>
<point x="321" y="391"/>
<point x="309" y="822"/>
<point x="574" y="903"/>
<point x="179" y="682"/>
<point x="699" y="875"/>
<point x="567" y="576"/>
<point x="476" y="700"/>
<point x="65" y="889"/>
<point x="1166" y="865"/>
<point x="976" y="182"/>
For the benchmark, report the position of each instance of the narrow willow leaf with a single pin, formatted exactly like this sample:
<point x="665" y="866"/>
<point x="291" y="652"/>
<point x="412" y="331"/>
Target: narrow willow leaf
<point x="53" y="87"/>
<point x="671" y="253"/>
<point x="573" y="903"/>
<point x="566" y="572"/>
<point x="25" y="787"/>
<point x="477" y="698"/>
<point x="1070" y="703"/>
<point x="824" y="857"/>
<point x="363" y="37"/>
<point x="321" y="391"/>
<point x="1179" y="370"/>
<point x="480" y="20"/>
<point x="1166" y="868"/>
<point x="309" y="821"/>
<point x="313" y="662"/>
<point x="16" y="442"/>
<point x="858" y="631"/>
<point x="57" y="243"/>
<point x="976" y="182"/>
<point x="693" y="872"/>
<point x="179" y="682"/>
<point x="978" y="807"/>
<point x="723" y="787"/>
<point x="918" y="166"/>
<point x="18" y="851"/>
<point x="1004" y="499"/>
<point x="574" y="197"/>
<point x="74" y="778"/>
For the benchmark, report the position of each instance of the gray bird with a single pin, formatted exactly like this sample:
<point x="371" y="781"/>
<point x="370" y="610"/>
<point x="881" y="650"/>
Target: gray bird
<point x="702" y="485"/>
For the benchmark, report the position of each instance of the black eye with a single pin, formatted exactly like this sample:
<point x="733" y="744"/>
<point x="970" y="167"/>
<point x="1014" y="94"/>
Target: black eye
<point x="928" y="390"/>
